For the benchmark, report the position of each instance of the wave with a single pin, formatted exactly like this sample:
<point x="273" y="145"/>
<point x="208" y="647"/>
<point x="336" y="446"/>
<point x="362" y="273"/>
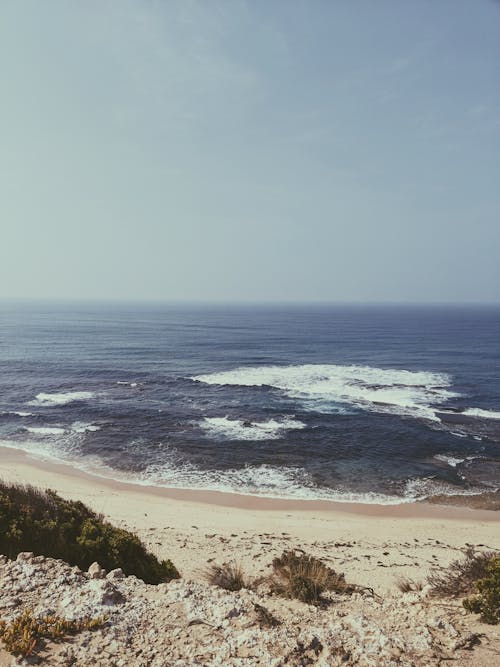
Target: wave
<point x="83" y="427"/>
<point x="450" y="460"/>
<point x="239" y="429"/>
<point x="46" y="449"/>
<point x="264" y="481"/>
<point x="284" y="482"/>
<point x="51" y="400"/>
<point x="17" y="413"/>
<point x="478" y="412"/>
<point x="45" y="430"/>
<point x="322" y="387"/>
<point x="77" y="427"/>
<point x="420" y="488"/>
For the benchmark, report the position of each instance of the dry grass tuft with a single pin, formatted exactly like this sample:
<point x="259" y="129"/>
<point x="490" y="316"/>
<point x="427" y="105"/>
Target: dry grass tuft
<point x="22" y="635"/>
<point x="407" y="585"/>
<point x="229" y="576"/>
<point x="303" y="577"/>
<point x="459" y="577"/>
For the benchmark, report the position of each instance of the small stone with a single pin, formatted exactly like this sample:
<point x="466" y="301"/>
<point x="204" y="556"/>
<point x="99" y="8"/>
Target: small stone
<point x="95" y="571"/>
<point x="426" y="591"/>
<point x="117" y="573"/>
<point x="114" y="647"/>
<point x="25" y="556"/>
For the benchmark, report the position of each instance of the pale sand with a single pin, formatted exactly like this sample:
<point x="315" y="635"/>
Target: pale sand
<point x="372" y="544"/>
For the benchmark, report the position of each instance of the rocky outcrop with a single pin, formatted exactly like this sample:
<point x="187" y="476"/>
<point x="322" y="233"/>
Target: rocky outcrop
<point x="186" y="623"/>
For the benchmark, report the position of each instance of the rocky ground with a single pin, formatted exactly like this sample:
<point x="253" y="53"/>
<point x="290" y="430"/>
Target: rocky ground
<point x="186" y="623"/>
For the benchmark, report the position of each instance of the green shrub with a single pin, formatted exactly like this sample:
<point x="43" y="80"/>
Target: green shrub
<point x="46" y="524"/>
<point x="459" y="577"/>
<point x="487" y="601"/>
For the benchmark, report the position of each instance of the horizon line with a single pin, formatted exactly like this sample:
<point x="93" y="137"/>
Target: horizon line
<point x="234" y="302"/>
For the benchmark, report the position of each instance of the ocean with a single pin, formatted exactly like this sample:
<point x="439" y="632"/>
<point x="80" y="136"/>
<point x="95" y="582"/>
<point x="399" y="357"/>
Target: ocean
<point x="370" y="404"/>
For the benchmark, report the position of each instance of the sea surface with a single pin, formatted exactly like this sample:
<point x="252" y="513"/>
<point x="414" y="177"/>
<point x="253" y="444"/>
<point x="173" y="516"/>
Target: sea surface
<point x="351" y="403"/>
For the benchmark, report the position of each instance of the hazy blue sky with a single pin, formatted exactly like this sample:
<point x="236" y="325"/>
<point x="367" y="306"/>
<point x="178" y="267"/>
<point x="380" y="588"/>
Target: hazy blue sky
<point x="260" y="150"/>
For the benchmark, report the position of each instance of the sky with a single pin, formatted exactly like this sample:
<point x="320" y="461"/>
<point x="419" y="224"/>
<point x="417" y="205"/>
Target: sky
<point x="259" y="150"/>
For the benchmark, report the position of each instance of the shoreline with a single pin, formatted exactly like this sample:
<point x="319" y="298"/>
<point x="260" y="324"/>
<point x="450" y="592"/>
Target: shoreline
<point x="10" y="456"/>
<point x="373" y="544"/>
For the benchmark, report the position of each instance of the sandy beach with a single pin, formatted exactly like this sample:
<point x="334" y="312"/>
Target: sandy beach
<point x="372" y="544"/>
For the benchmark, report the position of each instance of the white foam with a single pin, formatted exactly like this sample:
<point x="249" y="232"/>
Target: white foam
<point x="50" y="400"/>
<point x="82" y="427"/>
<point x="76" y="427"/>
<point x="45" y="449"/>
<point x="426" y="487"/>
<point x="485" y="414"/>
<point x="45" y="430"/>
<point x="323" y="386"/>
<point x="263" y="480"/>
<point x="17" y="413"/>
<point x="239" y="429"/>
<point x="450" y="460"/>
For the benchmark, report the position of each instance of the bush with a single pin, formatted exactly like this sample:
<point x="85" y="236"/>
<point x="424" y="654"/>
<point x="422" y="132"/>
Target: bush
<point x="46" y="524"/>
<point x="487" y="601"/>
<point x="305" y="578"/>
<point x="21" y="636"/>
<point x="230" y="577"/>
<point x="459" y="577"/>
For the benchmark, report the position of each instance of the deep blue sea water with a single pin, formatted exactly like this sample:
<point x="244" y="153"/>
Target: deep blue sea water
<point x="377" y="404"/>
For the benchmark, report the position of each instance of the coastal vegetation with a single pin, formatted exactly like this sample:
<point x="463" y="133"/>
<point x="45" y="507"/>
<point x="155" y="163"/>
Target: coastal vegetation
<point x="295" y="575"/>
<point x="305" y="578"/>
<point x="487" y="599"/>
<point x="477" y="574"/>
<point x="408" y="585"/>
<point x="22" y="635"/>
<point x="44" y="523"/>
<point x="460" y="576"/>
<point x="229" y="576"/>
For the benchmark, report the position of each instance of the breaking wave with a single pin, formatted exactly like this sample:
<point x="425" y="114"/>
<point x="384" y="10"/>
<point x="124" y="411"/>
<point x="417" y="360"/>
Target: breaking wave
<point x="322" y="387"/>
<point x="50" y="400"/>
<point x="17" y="413"/>
<point x="264" y="480"/>
<point x="76" y="427"/>
<point x="478" y="412"/>
<point x="449" y="460"/>
<point x="239" y="429"/>
<point x="425" y="487"/>
<point x="83" y="427"/>
<point x="45" y="430"/>
<point x="268" y="481"/>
